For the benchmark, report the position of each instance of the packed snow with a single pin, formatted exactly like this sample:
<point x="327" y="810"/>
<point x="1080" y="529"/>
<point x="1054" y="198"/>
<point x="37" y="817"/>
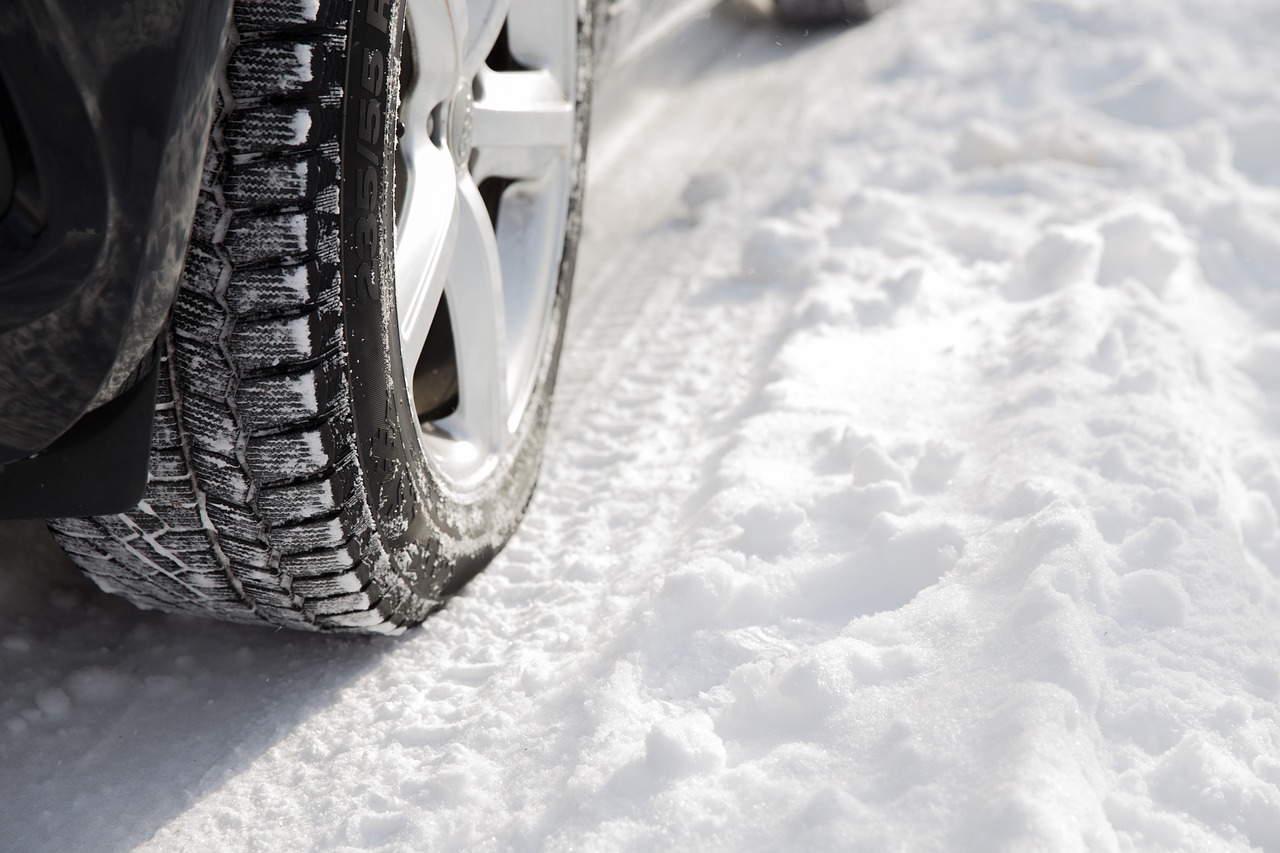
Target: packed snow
<point x="914" y="484"/>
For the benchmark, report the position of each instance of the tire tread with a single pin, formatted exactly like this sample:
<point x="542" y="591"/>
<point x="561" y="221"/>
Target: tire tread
<point x="255" y="510"/>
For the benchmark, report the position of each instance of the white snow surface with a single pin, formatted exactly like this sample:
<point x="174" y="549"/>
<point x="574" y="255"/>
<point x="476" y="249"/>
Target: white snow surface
<point x="914" y="484"/>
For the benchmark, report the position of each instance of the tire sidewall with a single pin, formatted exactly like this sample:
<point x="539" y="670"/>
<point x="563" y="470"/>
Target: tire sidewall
<point x="436" y="537"/>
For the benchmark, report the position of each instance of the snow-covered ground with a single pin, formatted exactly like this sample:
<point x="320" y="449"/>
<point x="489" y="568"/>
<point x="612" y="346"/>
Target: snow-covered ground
<point x="914" y="485"/>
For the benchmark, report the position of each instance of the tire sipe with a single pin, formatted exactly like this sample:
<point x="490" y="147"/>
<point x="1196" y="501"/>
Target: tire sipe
<point x="355" y="382"/>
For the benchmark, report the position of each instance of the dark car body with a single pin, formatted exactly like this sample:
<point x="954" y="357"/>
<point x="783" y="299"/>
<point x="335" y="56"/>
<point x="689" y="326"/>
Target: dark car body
<point x="104" y="113"/>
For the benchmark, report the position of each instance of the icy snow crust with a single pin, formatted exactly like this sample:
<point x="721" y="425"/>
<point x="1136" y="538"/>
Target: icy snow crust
<point x="913" y="485"/>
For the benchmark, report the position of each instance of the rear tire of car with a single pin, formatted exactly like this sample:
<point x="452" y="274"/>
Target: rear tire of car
<point x="813" y="13"/>
<point x="298" y="475"/>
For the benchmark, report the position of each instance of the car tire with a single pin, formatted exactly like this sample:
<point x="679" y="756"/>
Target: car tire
<point x="811" y="13"/>
<point x="355" y="382"/>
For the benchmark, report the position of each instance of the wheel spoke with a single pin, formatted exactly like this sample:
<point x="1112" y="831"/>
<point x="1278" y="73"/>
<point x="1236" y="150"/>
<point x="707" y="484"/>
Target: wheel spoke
<point x="438" y="32"/>
<point x="425" y="238"/>
<point x="530" y="242"/>
<point x="523" y="124"/>
<point x="542" y="34"/>
<point x="486" y="18"/>
<point x="474" y="288"/>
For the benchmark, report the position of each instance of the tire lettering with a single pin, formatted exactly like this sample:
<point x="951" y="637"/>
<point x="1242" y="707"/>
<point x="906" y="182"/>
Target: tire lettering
<point x="371" y="121"/>
<point x="367" y="189"/>
<point x="369" y="79"/>
<point x="382" y="455"/>
<point x="367" y="236"/>
<point x="374" y="71"/>
<point x="377" y="14"/>
<point x="364" y="279"/>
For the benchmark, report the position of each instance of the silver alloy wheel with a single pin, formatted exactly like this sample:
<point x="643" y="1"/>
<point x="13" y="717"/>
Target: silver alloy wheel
<point x="492" y="258"/>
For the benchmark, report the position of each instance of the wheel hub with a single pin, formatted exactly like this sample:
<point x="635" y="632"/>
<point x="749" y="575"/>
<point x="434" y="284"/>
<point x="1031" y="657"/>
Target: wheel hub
<point x="459" y="124"/>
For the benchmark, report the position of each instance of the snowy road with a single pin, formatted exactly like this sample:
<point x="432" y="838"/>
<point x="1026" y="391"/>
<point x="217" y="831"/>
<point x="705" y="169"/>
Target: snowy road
<point x="914" y="484"/>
